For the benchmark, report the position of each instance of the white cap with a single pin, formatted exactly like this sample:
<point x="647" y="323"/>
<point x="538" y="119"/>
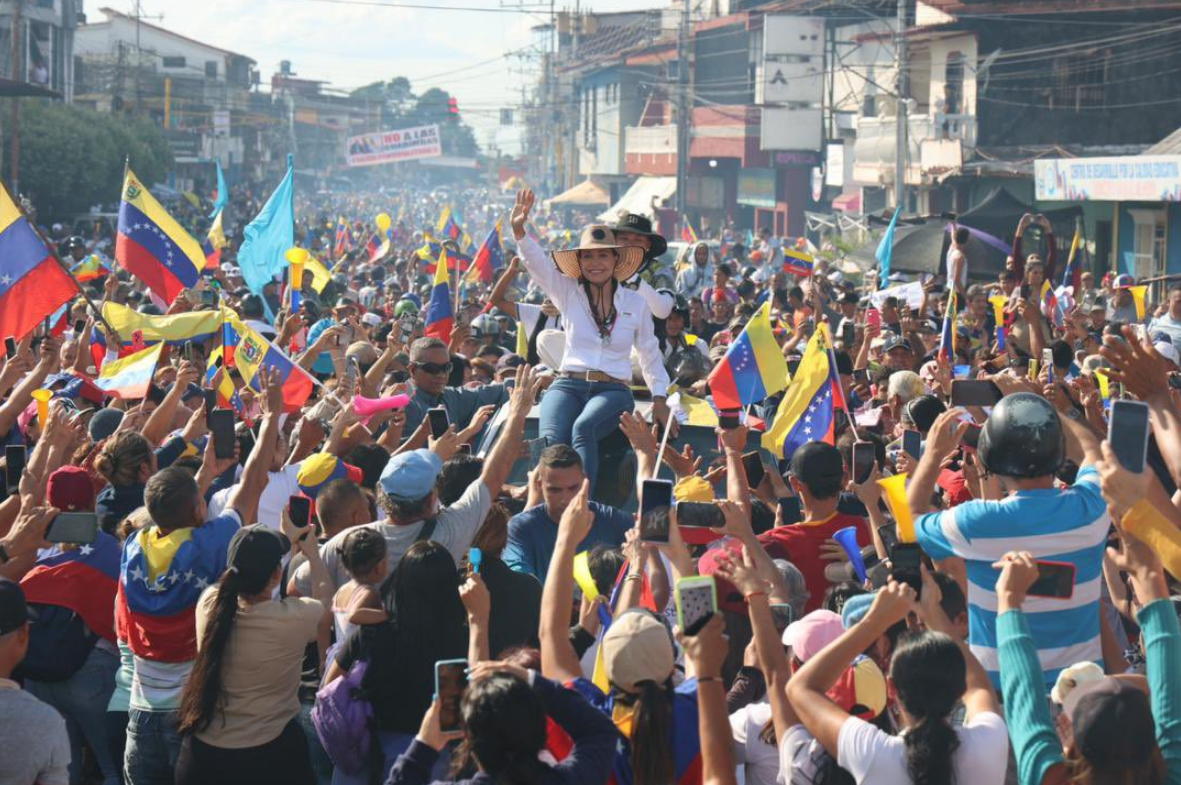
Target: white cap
<point x="1168" y="351"/>
<point x="371" y="319"/>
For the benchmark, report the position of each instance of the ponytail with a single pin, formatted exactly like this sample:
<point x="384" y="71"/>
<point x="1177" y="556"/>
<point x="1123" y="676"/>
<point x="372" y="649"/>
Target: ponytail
<point x="652" y="727"/>
<point x="203" y="694"/>
<point x="930" y="745"/>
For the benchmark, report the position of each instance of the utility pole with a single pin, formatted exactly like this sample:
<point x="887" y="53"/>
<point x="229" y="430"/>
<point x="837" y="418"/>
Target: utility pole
<point x="900" y="135"/>
<point x="683" y="113"/>
<point x="14" y="144"/>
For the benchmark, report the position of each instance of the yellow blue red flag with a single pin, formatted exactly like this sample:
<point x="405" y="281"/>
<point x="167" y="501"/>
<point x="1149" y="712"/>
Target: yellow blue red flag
<point x="753" y="368"/>
<point x="807" y="412"/>
<point x="152" y="246"/>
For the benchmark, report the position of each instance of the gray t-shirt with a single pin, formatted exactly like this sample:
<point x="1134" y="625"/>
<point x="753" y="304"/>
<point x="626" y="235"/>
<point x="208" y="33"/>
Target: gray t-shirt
<point x="36" y="747"/>
<point x="456" y="526"/>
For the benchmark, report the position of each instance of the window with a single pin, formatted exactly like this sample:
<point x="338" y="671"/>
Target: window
<point x="953" y="84"/>
<point x="1080" y="80"/>
<point x="174" y="62"/>
<point x="211" y="69"/>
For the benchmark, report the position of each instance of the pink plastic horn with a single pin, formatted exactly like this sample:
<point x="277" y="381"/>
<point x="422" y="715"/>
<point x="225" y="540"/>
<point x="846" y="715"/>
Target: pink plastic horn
<point x="367" y="407"/>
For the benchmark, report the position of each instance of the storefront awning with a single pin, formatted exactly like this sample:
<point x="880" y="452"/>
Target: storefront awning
<point x="638" y="198"/>
<point x="586" y="192"/>
<point x="849" y="202"/>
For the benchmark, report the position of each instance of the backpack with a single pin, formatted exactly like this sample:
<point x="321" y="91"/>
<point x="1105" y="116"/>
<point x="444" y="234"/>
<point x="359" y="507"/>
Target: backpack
<point x="59" y="643"/>
<point x="343" y="716"/>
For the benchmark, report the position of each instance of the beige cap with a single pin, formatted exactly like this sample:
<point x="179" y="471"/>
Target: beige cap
<point x="637" y="648"/>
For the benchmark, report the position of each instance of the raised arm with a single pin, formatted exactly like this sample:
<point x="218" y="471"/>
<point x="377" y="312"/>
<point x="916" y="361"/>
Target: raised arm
<point x="503" y="455"/>
<point x="22" y="395"/>
<point x="244" y="498"/>
<point x="706" y="653"/>
<point x="160" y="421"/>
<point x="941" y="440"/>
<point x="558" y="660"/>
<point x="539" y="266"/>
<point x="498" y="296"/>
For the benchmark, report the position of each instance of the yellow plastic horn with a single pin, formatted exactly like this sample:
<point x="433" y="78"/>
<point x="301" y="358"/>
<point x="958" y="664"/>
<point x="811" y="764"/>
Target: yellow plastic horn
<point x="895" y="490"/>
<point x="42" y="397"/>
<point x="297" y="257"/>
<point x="383" y="222"/>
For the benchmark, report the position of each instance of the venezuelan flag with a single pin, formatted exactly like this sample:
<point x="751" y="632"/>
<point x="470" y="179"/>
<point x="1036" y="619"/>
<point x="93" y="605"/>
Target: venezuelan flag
<point x="215" y="240"/>
<point x="687" y="233"/>
<point x="489" y="259"/>
<point x="947" y="335"/>
<point x="447" y="226"/>
<point x="152" y="246"/>
<point x="195" y="326"/>
<point x="251" y="353"/>
<point x="1050" y="305"/>
<point x="83" y="579"/>
<point x="161" y="577"/>
<point x="344" y="239"/>
<point x="1072" y="275"/>
<point x="798" y="263"/>
<point x="753" y="368"/>
<point x="439" y="316"/>
<point x="32" y="284"/>
<point x="218" y="379"/>
<point x="807" y="411"/>
<point x="130" y="376"/>
<point x="90" y="269"/>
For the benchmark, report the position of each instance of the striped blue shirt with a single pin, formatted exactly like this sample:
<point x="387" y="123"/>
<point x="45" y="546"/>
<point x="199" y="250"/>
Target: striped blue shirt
<point x="1054" y="525"/>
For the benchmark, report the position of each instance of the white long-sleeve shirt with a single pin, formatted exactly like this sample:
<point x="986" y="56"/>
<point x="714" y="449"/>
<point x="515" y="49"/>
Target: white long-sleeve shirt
<point x="585" y="348"/>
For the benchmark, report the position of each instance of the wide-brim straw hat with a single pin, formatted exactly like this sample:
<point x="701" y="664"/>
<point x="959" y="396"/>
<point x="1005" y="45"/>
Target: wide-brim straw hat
<point x="600" y="236"/>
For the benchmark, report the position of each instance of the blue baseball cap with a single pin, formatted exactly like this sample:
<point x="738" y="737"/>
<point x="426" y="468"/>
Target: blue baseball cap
<point x="856" y="608"/>
<point x="411" y="476"/>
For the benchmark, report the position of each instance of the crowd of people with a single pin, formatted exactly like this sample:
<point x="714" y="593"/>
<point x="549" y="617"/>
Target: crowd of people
<point x="410" y="576"/>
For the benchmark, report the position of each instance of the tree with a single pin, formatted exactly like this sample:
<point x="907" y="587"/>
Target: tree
<point x="72" y="158"/>
<point x="401" y="108"/>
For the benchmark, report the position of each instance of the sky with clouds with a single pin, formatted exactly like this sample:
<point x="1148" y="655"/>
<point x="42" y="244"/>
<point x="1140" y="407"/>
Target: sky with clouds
<point x="350" y="43"/>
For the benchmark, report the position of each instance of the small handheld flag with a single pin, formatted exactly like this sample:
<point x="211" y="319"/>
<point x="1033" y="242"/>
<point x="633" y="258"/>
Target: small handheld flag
<point x="798" y="263"/>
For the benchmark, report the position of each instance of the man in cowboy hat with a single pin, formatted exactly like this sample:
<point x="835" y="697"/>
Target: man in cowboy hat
<point x="635" y="231"/>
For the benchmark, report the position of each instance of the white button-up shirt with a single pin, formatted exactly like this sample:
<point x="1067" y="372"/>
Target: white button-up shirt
<point x="585" y="348"/>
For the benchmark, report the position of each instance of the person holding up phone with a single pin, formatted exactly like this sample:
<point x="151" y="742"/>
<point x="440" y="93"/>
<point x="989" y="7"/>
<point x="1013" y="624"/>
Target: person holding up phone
<point x="1024" y="442"/>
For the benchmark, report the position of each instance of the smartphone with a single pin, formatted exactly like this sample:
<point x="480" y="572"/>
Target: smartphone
<point x="782" y="614"/>
<point x="15" y="456"/>
<point x="906" y="559"/>
<point x="861" y="376"/>
<point x="73" y="527"/>
<point x="1047" y="358"/>
<point x="970" y="437"/>
<point x="79" y="326"/>
<point x="873" y="318"/>
<point x="1024" y="291"/>
<point x="10" y="347"/>
<point x="440" y="422"/>
<point x="210" y="403"/>
<point x="221" y="426"/>
<point x="791" y="510"/>
<point x="208" y="297"/>
<point x="912" y="444"/>
<point x="300" y="508"/>
<point x="187" y="351"/>
<point x="656" y="498"/>
<point x="728" y="420"/>
<point x="697" y="602"/>
<point x="1055" y="579"/>
<point x="864" y="458"/>
<point x="975" y="392"/>
<point x="700" y="515"/>
<point x="464" y="449"/>
<point x="755" y="470"/>
<point x="1128" y="433"/>
<point x="450" y="684"/>
<point x="848" y="334"/>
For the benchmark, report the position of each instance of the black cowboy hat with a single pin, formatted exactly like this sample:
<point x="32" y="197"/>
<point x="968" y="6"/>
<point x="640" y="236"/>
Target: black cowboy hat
<point x="641" y="224"/>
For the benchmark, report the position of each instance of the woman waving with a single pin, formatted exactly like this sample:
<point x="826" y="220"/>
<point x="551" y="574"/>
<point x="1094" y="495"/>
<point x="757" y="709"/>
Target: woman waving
<point x="603" y="321"/>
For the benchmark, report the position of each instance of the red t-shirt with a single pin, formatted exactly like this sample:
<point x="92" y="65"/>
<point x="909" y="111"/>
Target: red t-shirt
<point x="799" y="543"/>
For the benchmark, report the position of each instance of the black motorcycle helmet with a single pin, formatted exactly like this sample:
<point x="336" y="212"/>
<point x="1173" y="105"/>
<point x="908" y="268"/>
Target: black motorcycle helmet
<point x="1022" y="438"/>
<point x="687" y="367"/>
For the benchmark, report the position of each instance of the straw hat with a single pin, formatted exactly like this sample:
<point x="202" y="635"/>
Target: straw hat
<point x="599" y="236"/>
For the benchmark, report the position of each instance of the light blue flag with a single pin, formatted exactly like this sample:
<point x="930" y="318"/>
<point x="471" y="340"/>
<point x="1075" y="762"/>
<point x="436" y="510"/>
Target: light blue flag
<point x="223" y="193"/>
<point x="886" y="248"/>
<point x="269" y="236"/>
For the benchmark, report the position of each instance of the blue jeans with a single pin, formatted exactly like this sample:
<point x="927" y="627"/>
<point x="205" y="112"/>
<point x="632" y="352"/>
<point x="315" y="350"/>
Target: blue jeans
<point x="153" y="747"/>
<point x="392" y="745"/>
<point x="579" y="413"/>
<point x="82" y="701"/>
<point x="321" y="763"/>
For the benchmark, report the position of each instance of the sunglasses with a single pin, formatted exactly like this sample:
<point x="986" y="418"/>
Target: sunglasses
<point x="434" y="369"/>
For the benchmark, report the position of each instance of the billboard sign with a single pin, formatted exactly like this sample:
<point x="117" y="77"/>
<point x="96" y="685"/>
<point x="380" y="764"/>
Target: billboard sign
<point x="404" y="144"/>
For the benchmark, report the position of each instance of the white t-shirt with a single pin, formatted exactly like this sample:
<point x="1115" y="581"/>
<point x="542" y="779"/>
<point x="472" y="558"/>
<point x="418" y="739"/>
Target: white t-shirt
<point x="760" y="759"/>
<point x="981" y="758"/>
<point x="280" y="485"/>
<point x="956" y="256"/>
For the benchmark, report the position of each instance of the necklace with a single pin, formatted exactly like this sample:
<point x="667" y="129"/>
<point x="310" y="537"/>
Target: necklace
<point x="605" y="323"/>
